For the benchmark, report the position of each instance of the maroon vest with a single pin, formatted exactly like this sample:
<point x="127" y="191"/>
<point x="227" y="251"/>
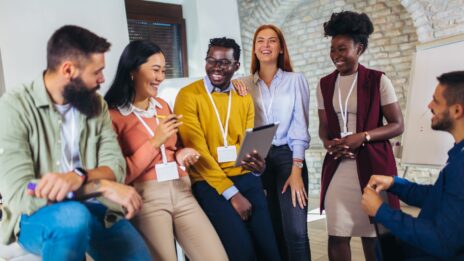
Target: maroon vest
<point x="375" y="157"/>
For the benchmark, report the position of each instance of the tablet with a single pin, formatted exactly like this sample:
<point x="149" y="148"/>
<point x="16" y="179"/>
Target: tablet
<point x="259" y="139"/>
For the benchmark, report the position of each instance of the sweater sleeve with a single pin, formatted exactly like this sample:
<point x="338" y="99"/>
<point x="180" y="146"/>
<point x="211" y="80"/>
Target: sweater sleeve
<point x="439" y="233"/>
<point x="410" y="193"/>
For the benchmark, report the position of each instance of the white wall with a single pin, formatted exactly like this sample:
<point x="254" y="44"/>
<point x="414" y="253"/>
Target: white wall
<point x="2" y="80"/>
<point x="206" y="19"/>
<point x="26" y="26"/>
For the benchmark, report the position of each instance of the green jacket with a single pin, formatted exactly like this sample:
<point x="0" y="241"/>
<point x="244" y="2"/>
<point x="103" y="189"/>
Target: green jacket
<point x="30" y="147"/>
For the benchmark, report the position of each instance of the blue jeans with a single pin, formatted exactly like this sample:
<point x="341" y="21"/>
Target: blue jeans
<point x="243" y="240"/>
<point x="67" y="230"/>
<point x="290" y="223"/>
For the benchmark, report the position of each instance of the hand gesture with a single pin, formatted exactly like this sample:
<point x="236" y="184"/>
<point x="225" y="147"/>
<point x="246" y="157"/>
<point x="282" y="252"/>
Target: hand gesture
<point x="240" y="87"/>
<point x="338" y="148"/>
<point x="56" y="186"/>
<point x="371" y="201"/>
<point x="298" y="190"/>
<point x="254" y="162"/>
<point x="380" y="182"/>
<point x="123" y="195"/>
<point x="354" y="141"/>
<point x="241" y="205"/>
<point x="187" y="157"/>
<point x="166" y="128"/>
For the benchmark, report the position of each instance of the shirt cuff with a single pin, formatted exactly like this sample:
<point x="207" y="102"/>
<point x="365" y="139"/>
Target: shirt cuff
<point x="383" y="214"/>
<point x="230" y="192"/>
<point x="299" y="152"/>
<point x="397" y="183"/>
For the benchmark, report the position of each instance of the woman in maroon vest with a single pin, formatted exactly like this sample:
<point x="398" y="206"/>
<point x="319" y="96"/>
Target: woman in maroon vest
<point x="352" y="102"/>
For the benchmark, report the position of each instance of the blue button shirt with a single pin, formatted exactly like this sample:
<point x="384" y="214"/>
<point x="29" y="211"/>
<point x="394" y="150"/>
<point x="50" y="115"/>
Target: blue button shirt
<point x="438" y="231"/>
<point x="286" y="101"/>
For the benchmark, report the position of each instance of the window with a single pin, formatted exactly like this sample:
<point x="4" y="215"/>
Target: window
<point x="164" y="25"/>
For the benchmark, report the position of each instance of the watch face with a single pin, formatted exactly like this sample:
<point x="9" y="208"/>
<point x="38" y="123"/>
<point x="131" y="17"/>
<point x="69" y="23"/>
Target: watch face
<point x="298" y="164"/>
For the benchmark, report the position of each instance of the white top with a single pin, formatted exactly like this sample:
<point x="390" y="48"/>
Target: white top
<point x="69" y="129"/>
<point x="387" y="93"/>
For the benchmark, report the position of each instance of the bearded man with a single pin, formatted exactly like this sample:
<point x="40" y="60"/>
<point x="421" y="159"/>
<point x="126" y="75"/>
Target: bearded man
<point x="57" y="142"/>
<point x="437" y="233"/>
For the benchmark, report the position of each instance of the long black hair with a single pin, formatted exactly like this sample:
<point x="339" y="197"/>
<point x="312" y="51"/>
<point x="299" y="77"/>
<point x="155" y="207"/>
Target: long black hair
<point x="357" y="26"/>
<point x="136" y="53"/>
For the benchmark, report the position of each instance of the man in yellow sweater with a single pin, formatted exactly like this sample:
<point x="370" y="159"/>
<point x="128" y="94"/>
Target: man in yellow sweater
<point x="214" y="119"/>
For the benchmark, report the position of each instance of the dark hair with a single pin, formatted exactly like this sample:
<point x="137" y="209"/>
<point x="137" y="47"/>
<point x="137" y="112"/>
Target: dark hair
<point x="454" y="87"/>
<point x="283" y="61"/>
<point x="73" y="42"/>
<point x="357" y="26"/>
<point x="226" y="43"/>
<point x="136" y="53"/>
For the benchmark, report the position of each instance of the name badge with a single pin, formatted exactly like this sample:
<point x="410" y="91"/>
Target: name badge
<point x="165" y="172"/>
<point x="344" y="134"/>
<point x="227" y="154"/>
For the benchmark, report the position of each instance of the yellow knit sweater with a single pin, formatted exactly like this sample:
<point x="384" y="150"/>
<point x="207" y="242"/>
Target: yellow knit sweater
<point x="200" y="130"/>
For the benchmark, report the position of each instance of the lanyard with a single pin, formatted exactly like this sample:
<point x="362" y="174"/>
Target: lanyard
<point x="268" y="111"/>
<point x="162" y="147"/>
<point x="69" y="163"/>
<point x="229" y="105"/>
<point x="345" y="112"/>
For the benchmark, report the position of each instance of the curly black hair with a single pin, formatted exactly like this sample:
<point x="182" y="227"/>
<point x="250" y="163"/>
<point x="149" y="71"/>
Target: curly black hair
<point x="357" y="26"/>
<point x="226" y="43"/>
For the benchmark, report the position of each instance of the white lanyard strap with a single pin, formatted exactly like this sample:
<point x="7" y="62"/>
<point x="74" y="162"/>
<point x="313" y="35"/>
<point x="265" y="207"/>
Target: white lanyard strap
<point x="69" y="163"/>
<point x="229" y="105"/>
<point x="268" y="111"/>
<point x="344" y="113"/>
<point x="152" y="134"/>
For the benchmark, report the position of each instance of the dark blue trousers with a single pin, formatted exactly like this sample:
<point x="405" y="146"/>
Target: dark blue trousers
<point x="243" y="240"/>
<point x="290" y="223"/>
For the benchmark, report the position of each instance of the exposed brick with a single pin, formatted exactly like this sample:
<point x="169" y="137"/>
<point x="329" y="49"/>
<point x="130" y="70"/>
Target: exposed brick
<point x="400" y="25"/>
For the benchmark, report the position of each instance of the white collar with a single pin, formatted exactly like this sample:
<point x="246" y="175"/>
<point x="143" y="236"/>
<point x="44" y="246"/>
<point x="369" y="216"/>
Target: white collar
<point x="211" y="87"/>
<point x="150" y="112"/>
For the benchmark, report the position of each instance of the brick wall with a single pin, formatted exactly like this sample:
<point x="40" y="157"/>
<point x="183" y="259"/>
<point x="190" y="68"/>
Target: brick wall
<point x="399" y="27"/>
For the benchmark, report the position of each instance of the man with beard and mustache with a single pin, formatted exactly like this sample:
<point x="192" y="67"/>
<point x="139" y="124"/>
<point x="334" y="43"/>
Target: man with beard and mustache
<point x="56" y="145"/>
<point x="214" y="120"/>
<point x="438" y="231"/>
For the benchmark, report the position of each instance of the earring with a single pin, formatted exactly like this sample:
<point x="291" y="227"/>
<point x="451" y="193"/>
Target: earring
<point x="132" y="77"/>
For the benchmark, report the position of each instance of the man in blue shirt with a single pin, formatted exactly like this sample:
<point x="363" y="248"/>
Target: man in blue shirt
<point x="438" y="231"/>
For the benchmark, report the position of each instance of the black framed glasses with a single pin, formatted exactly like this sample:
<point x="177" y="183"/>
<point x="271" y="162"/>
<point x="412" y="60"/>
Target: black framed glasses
<point x="224" y="63"/>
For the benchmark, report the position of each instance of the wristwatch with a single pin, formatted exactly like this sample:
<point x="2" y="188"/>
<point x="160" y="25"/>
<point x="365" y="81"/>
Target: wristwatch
<point x="367" y="137"/>
<point x="81" y="173"/>
<point x="298" y="164"/>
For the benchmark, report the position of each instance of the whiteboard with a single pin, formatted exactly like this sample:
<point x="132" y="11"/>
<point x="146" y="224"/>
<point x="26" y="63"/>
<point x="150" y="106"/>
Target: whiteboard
<point x="421" y="144"/>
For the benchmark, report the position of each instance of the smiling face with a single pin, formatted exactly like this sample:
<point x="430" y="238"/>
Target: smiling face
<point x="267" y="46"/>
<point x="441" y="119"/>
<point x="149" y="76"/>
<point x="345" y="54"/>
<point x="220" y="66"/>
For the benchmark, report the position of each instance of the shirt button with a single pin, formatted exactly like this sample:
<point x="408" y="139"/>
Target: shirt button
<point x="60" y="121"/>
<point x="59" y="141"/>
<point x="2" y="151"/>
<point x="58" y="163"/>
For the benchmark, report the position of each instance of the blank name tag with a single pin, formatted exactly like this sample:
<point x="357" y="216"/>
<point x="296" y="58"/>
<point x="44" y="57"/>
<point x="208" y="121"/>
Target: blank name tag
<point x="165" y="172"/>
<point x="226" y="154"/>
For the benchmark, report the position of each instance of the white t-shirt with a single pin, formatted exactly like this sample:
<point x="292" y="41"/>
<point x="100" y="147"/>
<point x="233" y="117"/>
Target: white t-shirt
<point x="69" y="128"/>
